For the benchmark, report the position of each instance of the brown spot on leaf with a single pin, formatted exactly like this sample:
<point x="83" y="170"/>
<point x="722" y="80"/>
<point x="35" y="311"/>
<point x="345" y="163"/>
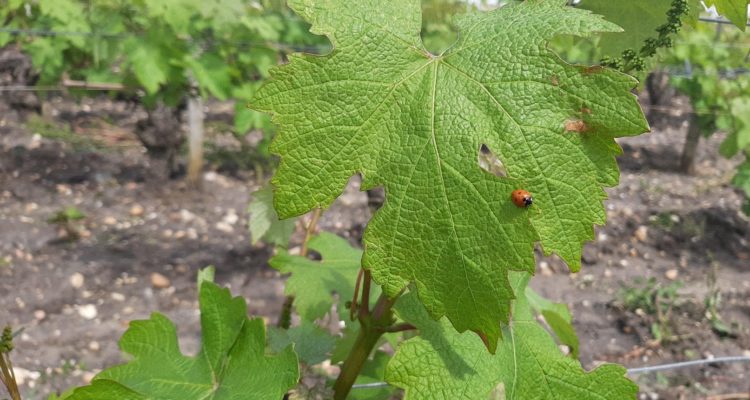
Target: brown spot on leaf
<point x="575" y="125"/>
<point x="555" y="81"/>
<point x="592" y="69"/>
<point x="585" y="110"/>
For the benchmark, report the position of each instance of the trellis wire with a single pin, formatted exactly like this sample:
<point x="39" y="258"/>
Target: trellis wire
<point x="631" y="371"/>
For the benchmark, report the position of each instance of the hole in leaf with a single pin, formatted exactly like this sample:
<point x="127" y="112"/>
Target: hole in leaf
<point x="489" y="162"/>
<point x="438" y="31"/>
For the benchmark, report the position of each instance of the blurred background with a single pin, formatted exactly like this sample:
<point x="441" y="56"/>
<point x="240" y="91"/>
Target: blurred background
<point x="128" y="159"/>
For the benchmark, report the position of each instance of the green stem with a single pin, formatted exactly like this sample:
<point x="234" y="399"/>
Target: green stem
<point x="372" y="327"/>
<point x="9" y="379"/>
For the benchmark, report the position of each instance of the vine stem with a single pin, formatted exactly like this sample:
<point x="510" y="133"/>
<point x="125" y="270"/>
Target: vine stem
<point x="372" y="327"/>
<point x="285" y="319"/>
<point x="8" y="376"/>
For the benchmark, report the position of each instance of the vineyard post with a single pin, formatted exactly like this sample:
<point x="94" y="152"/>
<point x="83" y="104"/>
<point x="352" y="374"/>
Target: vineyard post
<point x="195" y="138"/>
<point x="693" y="137"/>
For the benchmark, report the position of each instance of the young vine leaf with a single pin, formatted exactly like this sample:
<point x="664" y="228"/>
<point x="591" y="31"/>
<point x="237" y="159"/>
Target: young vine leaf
<point x="313" y="283"/>
<point x="312" y="344"/>
<point x="264" y="223"/>
<point x="232" y="363"/>
<point x="734" y="10"/>
<point x="558" y="318"/>
<point x="381" y="105"/>
<point x="444" y="364"/>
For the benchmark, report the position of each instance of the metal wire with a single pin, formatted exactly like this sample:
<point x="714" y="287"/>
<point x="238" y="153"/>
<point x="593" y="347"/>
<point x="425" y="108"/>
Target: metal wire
<point x="691" y="363"/>
<point x="631" y="371"/>
<point x="722" y="21"/>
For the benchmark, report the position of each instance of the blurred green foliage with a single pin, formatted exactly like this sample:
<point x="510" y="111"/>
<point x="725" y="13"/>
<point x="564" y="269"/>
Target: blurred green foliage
<point x="717" y="81"/>
<point x="160" y="48"/>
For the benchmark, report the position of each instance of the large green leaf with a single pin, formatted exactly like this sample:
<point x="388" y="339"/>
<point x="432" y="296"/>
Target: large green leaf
<point x="413" y="122"/>
<point x="734" y="10"/>
<point x="444" y="364"/>
<point x="232" y="363"/>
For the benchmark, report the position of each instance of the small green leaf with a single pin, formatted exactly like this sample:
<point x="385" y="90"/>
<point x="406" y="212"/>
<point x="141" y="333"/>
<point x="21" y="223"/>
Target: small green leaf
<point x="311" y="343"/>
<point x="148" y="62"/>
<point x="739" y="126"/>
<point x="206" y="275"/>
<point x="264" y="223"/>
<point x="212" y="73"/>
<point x="313" y="283"/>
<point x="444" y="364"/>
<point x="557" y="316"/>
<point x="231" y="364"/>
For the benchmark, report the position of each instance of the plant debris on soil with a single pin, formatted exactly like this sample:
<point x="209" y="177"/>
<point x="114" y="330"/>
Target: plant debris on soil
<point x="667" y="279"/>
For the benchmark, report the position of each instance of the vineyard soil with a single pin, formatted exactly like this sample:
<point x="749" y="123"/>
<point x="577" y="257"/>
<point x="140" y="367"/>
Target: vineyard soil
<point x="143" y="240"/>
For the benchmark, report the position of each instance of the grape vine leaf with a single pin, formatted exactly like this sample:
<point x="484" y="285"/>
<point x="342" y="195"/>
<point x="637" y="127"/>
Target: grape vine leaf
<point x="444" y="364"/>
<point x="733" y="10"/>
<point x="264" y="223"/>
<point x="311" y="343"/>
<point x="232" y="363"/>
<point x="738" y="127"/>
<point x="380" y="105"/>
<point x="638" y="19"/>
<point x="558" y="318"/>
<point x="313" y="283"/>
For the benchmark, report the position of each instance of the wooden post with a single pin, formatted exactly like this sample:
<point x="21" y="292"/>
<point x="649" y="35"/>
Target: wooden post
<point x="195" y="139"/>
<point x="687" y="162"/>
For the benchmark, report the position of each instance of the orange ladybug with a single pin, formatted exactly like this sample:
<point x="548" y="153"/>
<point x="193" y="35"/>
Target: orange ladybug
<point x="521" y="198"/>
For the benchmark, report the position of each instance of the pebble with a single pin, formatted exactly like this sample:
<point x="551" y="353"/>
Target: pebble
<point x="40" y="315"/>
<point x="110" y="221"/>
<point x="544" y="267"/>
<point x="94" y="345"/>
<point x="88" y="376"/>
<point x="24" y="376"/>
<point x="117" y="296"/>
<point x="224" y="227"/>
<point x="160" y="281"/>
<point x="136" y="210"/>
<point x="231" y="218"/>
<point x="77" y="280"/>
<point x="642" y="233"/>
<point x="186" y="216"/>
<point x="671" y="274"/>
<point x="88" y="311"/>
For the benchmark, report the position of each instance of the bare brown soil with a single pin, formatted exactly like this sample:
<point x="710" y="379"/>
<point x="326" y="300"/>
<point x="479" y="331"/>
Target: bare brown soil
<point x="74" y="298"/>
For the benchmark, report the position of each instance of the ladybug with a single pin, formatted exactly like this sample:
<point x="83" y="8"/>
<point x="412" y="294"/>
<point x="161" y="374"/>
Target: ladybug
<point x="521" y="198"/>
